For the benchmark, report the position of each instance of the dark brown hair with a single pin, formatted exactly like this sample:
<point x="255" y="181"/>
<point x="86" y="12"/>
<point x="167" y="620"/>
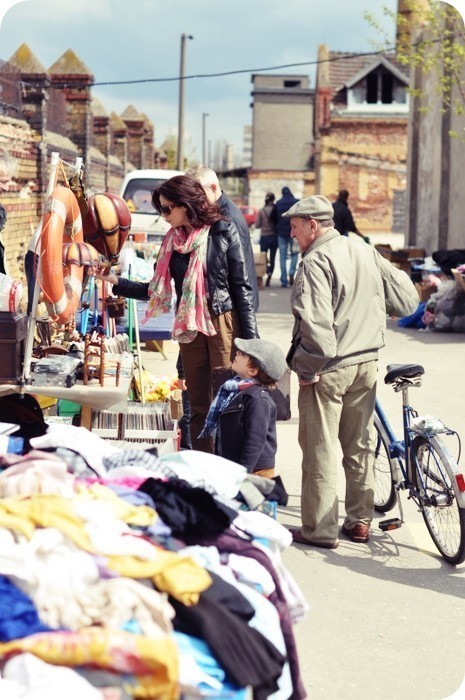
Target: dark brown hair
<point x="187" y="192"/>
<point x="262" y="377"/>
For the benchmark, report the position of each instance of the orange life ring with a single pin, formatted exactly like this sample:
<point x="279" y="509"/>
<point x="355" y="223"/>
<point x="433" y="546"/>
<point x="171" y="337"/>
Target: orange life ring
<point x="61" y="284"/>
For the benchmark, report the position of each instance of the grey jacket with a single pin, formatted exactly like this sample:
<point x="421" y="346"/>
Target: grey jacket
<point x="341" y="294"/>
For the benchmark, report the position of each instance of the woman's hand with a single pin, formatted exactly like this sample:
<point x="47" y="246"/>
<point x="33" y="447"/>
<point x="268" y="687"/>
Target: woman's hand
<point x="103" y="272"/>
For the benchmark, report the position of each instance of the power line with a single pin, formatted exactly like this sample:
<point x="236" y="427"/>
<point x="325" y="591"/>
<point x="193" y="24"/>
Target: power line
<point x="344" y="57"/>
<point x="246" y="70"/>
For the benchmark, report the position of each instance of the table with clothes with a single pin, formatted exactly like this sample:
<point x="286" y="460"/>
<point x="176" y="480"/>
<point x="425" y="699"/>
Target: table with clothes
<point x="153" y="577"/>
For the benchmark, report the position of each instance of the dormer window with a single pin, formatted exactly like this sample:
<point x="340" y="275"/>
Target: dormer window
<point x="379" y="89"/>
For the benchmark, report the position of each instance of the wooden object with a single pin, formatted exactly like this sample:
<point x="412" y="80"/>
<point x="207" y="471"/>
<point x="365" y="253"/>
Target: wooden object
<point x="97" y="340"/>
<point x="13" y="334"/>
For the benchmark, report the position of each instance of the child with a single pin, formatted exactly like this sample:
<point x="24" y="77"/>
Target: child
<point x="243" y="410"/>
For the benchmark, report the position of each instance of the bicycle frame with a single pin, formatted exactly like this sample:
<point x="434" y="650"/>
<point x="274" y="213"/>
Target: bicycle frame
<point x="401" y="451"/>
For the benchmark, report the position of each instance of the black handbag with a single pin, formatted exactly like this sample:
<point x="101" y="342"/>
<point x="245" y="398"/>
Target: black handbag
<point x="281" y="395"/>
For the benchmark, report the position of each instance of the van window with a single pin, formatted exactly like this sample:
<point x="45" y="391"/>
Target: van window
<point x="138" y="194"/>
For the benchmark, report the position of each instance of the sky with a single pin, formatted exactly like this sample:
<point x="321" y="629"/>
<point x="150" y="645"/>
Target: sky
<point x="140" y="40"/>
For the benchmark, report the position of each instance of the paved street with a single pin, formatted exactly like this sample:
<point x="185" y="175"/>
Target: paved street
<point x="386" y="620"/>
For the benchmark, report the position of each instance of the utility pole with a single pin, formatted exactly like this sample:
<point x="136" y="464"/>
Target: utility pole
<point x="180" y="156"/>
<point x="204" y="142"/>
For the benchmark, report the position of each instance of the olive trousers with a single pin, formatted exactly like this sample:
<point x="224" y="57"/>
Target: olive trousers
<point x="337" y="409"/>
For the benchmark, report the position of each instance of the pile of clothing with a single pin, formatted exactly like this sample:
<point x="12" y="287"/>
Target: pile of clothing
<point x="122" y="572"/>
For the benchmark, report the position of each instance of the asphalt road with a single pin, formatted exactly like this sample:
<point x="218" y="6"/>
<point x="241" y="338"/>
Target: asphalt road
<point x="387" y="618"/>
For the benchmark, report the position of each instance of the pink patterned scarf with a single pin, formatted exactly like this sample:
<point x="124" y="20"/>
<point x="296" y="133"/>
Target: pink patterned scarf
<point x="192" y="316"/>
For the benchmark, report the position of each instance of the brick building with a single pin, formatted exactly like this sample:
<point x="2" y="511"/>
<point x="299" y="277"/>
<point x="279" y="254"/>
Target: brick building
<point x="45" y="110"/>
<point x="360" y="131"/>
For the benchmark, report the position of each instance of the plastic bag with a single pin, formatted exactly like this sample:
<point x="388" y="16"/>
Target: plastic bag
<point x="257" y="234"/>
<point x="448" y="305"/>
<point x="11" y="292"/>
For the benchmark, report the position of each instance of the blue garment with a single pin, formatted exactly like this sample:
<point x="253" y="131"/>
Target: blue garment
<point x="285" y="249"/>
<point x="200" y="651"/>
<point x="226" y="393"/>
<point x="283" y="226"/>
<point x="18" y="615"/>
<point x="415" y="320"/>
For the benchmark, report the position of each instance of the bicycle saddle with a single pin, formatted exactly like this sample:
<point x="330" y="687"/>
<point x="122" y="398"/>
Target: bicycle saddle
<point x="395" y="371"/>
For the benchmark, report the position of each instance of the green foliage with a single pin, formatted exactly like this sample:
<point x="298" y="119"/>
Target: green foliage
<point x="434" y="47"/>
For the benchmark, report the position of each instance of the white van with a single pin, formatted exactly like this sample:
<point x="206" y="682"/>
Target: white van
<point x="147" y="226"/>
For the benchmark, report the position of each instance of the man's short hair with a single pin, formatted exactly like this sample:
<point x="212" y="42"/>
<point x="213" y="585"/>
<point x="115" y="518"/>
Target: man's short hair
<point x="203" y="174"/>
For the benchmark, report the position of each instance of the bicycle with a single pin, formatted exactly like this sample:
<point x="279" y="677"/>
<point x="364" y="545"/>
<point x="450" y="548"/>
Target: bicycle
<point x="421" y="464"/>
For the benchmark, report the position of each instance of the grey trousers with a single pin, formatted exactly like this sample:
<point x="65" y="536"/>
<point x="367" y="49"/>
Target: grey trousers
<point x="338" y="408"/>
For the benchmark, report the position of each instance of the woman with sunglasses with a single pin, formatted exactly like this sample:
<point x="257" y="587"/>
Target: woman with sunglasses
<point x="203" y="255"/>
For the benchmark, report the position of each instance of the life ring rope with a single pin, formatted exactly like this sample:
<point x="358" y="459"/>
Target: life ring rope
<point x="61" y="284"/>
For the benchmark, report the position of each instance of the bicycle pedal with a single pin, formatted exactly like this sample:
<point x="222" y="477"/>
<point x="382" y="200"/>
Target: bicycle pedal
<point x="390" y="524"/>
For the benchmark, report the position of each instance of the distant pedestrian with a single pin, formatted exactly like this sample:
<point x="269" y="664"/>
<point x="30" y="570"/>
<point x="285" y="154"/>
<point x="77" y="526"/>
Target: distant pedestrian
<point x="343" y="291"/>
<point x="210" y="183"/>
<point x="343" y="218"/>
<point x="244" y="412"/>
<point x="7" y="170"/>
<point x="285" y="244"/>
<point x="268" y="235"/>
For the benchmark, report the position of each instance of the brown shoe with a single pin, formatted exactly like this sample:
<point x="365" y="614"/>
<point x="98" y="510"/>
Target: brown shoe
<point x="298" y="538"/>
<point x="358" y="533"/>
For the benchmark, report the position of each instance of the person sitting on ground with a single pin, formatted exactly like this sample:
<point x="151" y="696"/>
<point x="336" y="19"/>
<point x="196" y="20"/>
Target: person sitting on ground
<point x="243" y="411"/>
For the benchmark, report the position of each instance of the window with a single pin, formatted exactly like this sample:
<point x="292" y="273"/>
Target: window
<point x="292" y="83"/>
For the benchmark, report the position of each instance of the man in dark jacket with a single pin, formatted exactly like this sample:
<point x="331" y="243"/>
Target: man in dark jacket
<point x="210" y="183"/>
<point x="283" y="229"/>
<point x="343" y="219"/>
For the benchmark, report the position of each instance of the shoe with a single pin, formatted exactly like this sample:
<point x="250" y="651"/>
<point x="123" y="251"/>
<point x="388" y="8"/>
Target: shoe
<point x="358" y="533"/>
<point x="284" y="285"/>
<point x="298" y="538"/>
<point x="268" y="279"/>
<point x="291" y="280"/>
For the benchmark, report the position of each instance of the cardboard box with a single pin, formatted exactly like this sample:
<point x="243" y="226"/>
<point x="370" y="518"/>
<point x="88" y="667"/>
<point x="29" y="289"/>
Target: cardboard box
<point x="425" y="289"/>
<point x="260" y="264"/>
<point x="384" y="249"/>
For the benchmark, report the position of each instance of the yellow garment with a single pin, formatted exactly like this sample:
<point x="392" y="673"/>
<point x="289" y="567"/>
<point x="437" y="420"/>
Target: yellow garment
<point x="49" y="511"/>
<point x="179" y="576"/>
<point x="142" y="516"/>
<point x="19" y="524"/>
<point x="150" y="660"/>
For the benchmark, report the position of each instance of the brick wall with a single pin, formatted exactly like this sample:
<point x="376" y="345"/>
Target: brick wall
<point x="367" y="157"/>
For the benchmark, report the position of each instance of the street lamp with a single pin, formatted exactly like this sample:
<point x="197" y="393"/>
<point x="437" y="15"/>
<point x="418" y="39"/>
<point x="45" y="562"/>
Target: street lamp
<point x="180" y="157"/>
<point x="204" y="120"/>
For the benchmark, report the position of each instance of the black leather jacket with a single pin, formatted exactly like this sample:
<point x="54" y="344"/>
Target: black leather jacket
<point x="228" y="284"/>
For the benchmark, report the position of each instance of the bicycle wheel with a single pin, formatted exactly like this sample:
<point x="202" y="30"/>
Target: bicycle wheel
<point x="385" y="495"/>
<point x="440" y="501"/>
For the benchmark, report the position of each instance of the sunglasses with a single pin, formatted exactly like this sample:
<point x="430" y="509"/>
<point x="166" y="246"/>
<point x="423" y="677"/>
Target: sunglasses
<point x="166" y="209"/>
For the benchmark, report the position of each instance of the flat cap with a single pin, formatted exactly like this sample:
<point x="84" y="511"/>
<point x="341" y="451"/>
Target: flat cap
<point x="315" y="207"/>
<point x="268" y="356"/>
